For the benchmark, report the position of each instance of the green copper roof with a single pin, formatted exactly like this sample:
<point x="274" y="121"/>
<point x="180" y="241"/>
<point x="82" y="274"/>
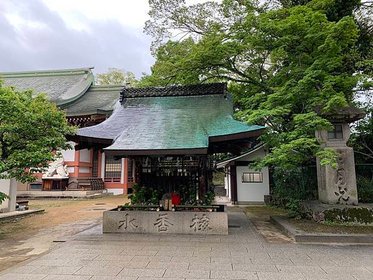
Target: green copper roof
<point x="168" y="122"/>
<point x="61" y="86"/>
<point x="97" y="100"/>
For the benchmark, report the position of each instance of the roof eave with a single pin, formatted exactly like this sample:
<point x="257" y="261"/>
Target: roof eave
<point x="170" y="152"/>
<point x="236" y="136"/>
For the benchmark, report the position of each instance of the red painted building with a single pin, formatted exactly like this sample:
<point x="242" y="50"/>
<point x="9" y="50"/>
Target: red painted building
<point x="85" y="104"/>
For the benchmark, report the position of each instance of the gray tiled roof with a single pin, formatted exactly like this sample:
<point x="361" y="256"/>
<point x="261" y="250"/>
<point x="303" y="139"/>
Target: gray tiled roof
<point x="168" y="123"/>
<point x="97" y="100"/>
<point x="61" y="86"/>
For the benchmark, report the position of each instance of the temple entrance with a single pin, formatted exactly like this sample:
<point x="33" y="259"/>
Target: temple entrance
<point x="185" y="175"/>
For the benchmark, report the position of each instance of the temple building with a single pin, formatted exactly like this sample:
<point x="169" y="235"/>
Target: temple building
<point x="164" y="136"/>
<point x="85" y="104"/>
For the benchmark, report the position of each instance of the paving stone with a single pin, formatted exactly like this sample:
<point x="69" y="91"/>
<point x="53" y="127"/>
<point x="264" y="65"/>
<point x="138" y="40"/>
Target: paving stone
<point x="16" y="276"/>
<point x="280" y="276"/>
<point x="56" y="270"/>
<point x="25" y="269"/>
<point x="155" y="278"/>
<point x="67" y="277"/>
<point x="114" y="278"/>
<point x="170" y="265"/>
<point x="141" y="272"/>
<point x="123" y="258"/>
<point x="195" y="274"/>
<point x="210" y="266"/>
<point x="233" y="275"/>
<point x="55" y="262"/>
<point x="134" y="264"/>
<point x="99" y="270"/>
<point x="255" y="267"/>
<point x="191" y="259"/>
<point x="300" y="269"/>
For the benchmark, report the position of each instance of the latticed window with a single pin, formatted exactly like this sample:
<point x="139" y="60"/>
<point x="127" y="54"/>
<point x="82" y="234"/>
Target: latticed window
<point x="252" y="177"/>
<point x="130" y="170"/>
<point x="95" y="164"/>
<point x="113" y="169"/>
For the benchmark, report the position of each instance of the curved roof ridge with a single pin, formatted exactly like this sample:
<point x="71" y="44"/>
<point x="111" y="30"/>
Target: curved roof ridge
<point x="50" y="72"/>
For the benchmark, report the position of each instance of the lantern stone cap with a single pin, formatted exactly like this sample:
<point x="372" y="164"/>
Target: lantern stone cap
<point x="347" y="114"/>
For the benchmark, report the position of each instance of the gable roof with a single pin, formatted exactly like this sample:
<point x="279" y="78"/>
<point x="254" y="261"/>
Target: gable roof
<point x="165" y="123"/>
<point x="61" y="86"/>
<point x="249" y="152"/>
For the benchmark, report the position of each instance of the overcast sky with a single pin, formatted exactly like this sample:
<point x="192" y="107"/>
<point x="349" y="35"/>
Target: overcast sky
<point x="57" y="34"/>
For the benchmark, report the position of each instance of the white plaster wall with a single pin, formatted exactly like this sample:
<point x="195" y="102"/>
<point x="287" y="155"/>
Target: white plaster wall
<point x="4" y="188"/>
<point x="83" y="169"/>
<point x="85" y="155"/>
<point x="71" y="169"/>
<point x="69" y="155"/>
<point x="227" y="182"/>
<point x="115" y="191"/>
<point x="251" y="192"/>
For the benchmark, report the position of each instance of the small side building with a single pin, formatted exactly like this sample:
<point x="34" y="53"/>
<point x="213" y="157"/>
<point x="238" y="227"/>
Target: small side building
<point x="243" y="184"/>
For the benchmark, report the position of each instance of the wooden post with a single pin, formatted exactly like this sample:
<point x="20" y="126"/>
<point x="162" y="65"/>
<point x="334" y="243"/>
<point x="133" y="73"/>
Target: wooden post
<point x="233" y="174"/>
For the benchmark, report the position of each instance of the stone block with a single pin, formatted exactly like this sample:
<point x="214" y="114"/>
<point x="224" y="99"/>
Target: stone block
<point x="165" y="222"/>
<point x="338" y="185"/>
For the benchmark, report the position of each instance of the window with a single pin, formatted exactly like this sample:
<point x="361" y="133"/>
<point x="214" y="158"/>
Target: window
<point x="336" y="133"/>
<point x="130" y="170"/>
<point x="113" y="169"/>
<point x="252" y="177"/>
<point x="95" y="164"/>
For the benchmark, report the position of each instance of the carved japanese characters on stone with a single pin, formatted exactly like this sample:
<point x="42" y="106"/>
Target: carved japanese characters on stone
<point x="127" y="222"/>
<point x="200" y="224"/>
<point x="162" y="223"/>
<point x="340" y="180"/>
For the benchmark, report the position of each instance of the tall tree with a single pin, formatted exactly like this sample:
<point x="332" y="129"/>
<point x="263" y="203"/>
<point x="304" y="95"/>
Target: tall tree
<point x="287" y="66"/>
<point x="32" y="129"/>
<point x="116" y="76"/>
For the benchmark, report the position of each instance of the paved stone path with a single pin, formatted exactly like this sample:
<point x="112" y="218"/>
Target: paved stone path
<point x="243" y="254"/>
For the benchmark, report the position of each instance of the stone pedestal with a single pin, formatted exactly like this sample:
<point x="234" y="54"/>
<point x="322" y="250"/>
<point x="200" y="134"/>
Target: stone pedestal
<point x="338" y="185"/>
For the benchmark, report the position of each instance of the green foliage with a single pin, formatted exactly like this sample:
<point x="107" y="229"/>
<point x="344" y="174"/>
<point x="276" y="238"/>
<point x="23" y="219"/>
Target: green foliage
<point x="291" y="186"/>
<point x="144" y="196"/>
<point x="116" y="77"/>
<point x="362" y="134"/>
<point x="288" y="66"/>
<point x="3" y="196"/>
<point x="31" y="130"/>
<point x="365" y="189"/>
<point x="208" y="198"/>
<point x="188" y="194"/>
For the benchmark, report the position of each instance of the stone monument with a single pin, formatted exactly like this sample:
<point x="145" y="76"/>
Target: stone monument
<point x="338" y="185"/>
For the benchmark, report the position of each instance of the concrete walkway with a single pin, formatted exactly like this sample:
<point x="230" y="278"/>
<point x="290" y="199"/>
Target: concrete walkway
<point x="243" y="254"/>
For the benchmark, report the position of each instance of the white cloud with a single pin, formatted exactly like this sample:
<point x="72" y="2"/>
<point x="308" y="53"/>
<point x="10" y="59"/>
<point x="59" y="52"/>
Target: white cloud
<point x="76" y="13"/>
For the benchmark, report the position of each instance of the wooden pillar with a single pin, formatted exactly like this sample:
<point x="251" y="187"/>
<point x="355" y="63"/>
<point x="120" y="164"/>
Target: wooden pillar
<point x="233" y="174"/>
<point x="77" y="163"/>
<point x="203" y="177"/>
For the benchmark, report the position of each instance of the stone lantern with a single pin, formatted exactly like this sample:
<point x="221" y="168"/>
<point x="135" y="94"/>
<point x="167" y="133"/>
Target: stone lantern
<point x="338" y="185"/>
